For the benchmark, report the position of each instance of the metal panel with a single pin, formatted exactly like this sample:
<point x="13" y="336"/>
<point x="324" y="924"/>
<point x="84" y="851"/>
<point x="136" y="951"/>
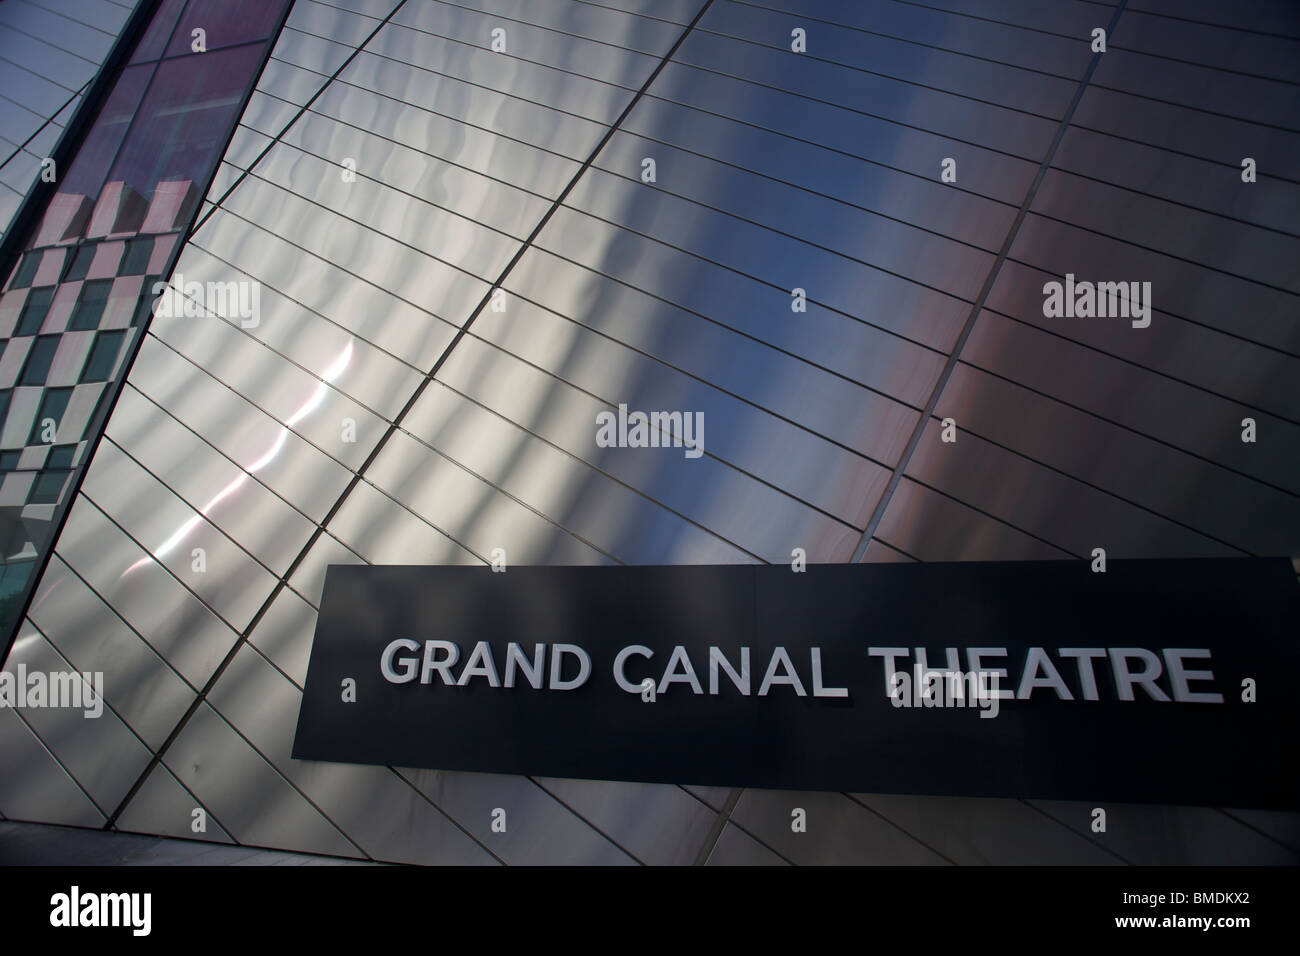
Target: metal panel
<point x="1186" y="836"/>
<point x="920" y="200"/>
<point x="1175" y="37"/>
<point x="232" y="500"/>
<point x="930" y="526"/>
<point x="1188" y="180"/>
<point x="839" y="830"/>
<point x="702" y="284"/>
<point x="745" y="199"/>
<point x="1276" y="16"/>
<point x="1220" y="246"/>
<point x="377" y="380"/>
<point x="972" y="831"/>
<point x="378" y="259"/>
<point x="872" y="53"/>
<point x="566" y="417"/>
<point x="34" y="786"/>
<point x="735" y="847"/>
<point x="367" y="311"/>
<point x="144" y="690"/>
<point x="254" y="803"/>
<point x="835" y="348"/>
<point x="1198" y="355"/>
<point x="1200" y="87"/>
<point x="570" y="51"/>
<point x="774" y="171"/>
<point x="1202" y="497"/>
<point x="597" y="101"/>
<point x="179" y="626"/>
<point x="530" y="122"/>
<point x="965" y="120"/>
<point x="539" y="829"/>
<point x="1183" y="130"/>
<point x="224" y="576"/>
<point x="164" y="807"/>
<point x="281" y="459"/>
<point x="1256" y="312"/>
<point x="100" y="752"/>
<point x="283" y="634"/>
<point x="465" y="508"/>
<point x="615" y="519"/>
<point x="308" y="578"/>
<point x="386" y="817"/>
<point x="659" y="825"/>
<point x="627" y="24"/>
<point x="794" y="459"/>
<point x="1126" y="395"/>
<point x="349" y="26"/>
<point x="284" y="390"/>
<point x="900" y="146"/>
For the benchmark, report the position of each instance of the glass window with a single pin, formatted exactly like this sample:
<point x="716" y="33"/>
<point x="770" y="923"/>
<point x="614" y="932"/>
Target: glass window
<point x="181" y="127"/>
<point x="79" y="262"/>
<point x="61" y="457"/>
<point x="102" y="356"/>
<point x="159" y="32"/>
<point x="53" y="404"/>
<point x="224" y="23"/>
<point x="47" y="488"/>
<point x="144" y="308"/>
<point x="39" y="359"/>
<point x="26" y="270"/>
<point x="38" y="303"/>
<point x="90" y="305"/>
<point x="86" y="175"/>
<point x="136" y="260"/>
<point x="9" y="460"/>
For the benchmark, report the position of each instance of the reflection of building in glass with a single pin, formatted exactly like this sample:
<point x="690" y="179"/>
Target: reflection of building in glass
<point x="385" y="171"/>
<point x="83" y="287"/>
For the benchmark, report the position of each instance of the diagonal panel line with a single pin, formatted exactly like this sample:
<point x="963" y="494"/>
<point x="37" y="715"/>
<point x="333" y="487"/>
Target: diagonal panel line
<point x="951" y="364"/>
<point x="47" y="122"/>
<point x="296" y="116"/>
<point x="720" y="822"/>
<point x="201" y="698"/>
<point x="939" y="386"/>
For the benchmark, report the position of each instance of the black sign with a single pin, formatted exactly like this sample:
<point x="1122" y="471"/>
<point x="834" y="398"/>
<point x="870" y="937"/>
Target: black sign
<point x="1153" y="681"/>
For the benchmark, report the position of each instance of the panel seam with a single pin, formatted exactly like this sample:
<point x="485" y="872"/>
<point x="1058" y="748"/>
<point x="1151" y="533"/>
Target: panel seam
<point x="951" y="364"/>
<point x="395" y="424"/>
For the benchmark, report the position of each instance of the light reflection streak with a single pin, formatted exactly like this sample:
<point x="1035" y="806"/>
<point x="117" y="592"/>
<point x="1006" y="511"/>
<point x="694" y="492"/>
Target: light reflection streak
<point x="317" y="396"/>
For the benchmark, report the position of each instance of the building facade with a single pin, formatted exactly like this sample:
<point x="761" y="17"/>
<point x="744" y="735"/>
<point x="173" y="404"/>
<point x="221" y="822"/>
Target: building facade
<point x="414" y="249"/>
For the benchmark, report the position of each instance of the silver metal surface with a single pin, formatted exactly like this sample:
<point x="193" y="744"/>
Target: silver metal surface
<point x="661" y="825"/>
<point x="254" y="802"/>
<point x="353" y="405"/>
<point x="99" y="752"/>
<point x="377" y="810"/>
<point x="34" y="786"/>
<point x="145" y="691"/>
<point x="735" y="847"/>
<point x="839" y="830"/>
<point x="152" y="601"/>
<point x="164" y="807"/>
